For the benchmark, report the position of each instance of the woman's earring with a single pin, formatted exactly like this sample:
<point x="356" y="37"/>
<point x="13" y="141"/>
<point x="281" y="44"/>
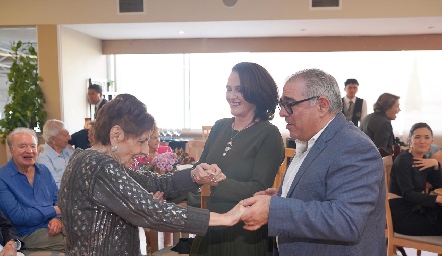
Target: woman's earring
<point x="114" y="148"/>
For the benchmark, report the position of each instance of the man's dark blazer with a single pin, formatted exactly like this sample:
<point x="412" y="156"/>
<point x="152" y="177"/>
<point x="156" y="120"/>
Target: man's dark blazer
<point x="104" y="101"/>
<point x="8" y="232"/>
<point x="80" y="140"/>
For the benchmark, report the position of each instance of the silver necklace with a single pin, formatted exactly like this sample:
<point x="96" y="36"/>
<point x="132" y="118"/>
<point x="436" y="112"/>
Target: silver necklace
<point x="230" y="143"/>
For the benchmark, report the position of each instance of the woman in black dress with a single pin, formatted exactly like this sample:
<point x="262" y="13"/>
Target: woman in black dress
<point x="413" y="211"/>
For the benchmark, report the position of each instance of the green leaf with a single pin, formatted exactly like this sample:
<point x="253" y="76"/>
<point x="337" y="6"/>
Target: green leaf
<point x="26" y="106"/>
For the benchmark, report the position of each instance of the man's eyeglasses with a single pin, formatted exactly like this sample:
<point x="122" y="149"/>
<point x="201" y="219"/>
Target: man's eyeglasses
<point x="288" y="106"/>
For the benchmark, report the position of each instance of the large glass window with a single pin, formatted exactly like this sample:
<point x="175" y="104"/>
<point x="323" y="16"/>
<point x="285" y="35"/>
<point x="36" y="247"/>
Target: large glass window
<point x="188" y="90"/>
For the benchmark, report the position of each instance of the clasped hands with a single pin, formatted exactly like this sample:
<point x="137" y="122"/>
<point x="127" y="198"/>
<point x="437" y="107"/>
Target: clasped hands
<point x="207" y="174"/>
<point x="424" y="163"/>
<point x="253" y="211"/>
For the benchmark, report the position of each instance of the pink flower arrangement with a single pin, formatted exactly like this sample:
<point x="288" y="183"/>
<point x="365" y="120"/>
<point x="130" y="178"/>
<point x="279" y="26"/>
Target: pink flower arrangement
<point x="162" y="163"/>
<point x="166" y="162"/>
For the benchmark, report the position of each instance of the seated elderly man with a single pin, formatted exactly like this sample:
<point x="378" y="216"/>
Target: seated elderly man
<point x="56" y="152"/>
<point x="9" y="240"/>
<point x="29" y="194"/>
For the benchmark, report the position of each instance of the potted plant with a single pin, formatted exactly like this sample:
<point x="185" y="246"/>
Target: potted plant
<point x="26" y="99"/>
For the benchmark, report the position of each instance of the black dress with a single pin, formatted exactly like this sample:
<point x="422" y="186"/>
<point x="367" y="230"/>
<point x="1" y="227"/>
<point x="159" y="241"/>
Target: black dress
<point x="415" y="214"/>
<point x="250" y="166"/>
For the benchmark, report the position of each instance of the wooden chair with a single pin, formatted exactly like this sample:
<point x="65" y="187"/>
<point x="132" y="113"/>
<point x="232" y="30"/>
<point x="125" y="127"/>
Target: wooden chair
<point x="205" y="131"/>
<point x="195" y="148"/>
<point x="424" y="243"/>
<point x="205" y="194"/>
<point x="289" y="153"/>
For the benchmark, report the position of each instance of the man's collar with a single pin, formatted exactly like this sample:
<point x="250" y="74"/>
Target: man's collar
<point x="305" y="145"/>
<point x="98" y="103"/>
<point x="50" y="151"/>
<point x="348" y="99"/>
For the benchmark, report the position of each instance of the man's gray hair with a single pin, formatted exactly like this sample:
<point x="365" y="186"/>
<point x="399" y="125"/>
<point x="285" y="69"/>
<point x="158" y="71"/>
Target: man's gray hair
<point x="51" y="129"/>
<point x="20" y="130"/>
<point x="320" y="83"/>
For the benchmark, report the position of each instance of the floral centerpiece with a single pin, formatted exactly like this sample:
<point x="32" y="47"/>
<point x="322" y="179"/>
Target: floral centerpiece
<point x="163" y="163"/>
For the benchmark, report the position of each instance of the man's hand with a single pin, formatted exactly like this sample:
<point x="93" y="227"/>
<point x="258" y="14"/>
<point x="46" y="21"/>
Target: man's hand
<point x="54" y="227"/>
<point x="257" y="213"/>
<point x="10" y="249"/>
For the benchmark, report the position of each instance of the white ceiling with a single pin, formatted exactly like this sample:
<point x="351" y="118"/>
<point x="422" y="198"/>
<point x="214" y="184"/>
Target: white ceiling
<point x="271" y="28"/>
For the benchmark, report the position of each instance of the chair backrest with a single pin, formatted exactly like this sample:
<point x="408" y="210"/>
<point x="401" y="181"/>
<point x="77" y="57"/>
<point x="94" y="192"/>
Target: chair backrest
<point x="205" y="131"/>
<point x="195" y="148"/>
<point x="388" y="163"/>
<point x="288" y="153"/>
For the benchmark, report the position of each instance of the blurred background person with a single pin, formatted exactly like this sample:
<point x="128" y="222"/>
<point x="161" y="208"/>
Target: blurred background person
<point x="102" y="200"/>
<point x="249" y="151"/>
<point x="81" y="139"/>
<point x="155" y="147"/>
<point x="354" y="108"/>
<point x="56" y="151"/>
<point x="95" y="96"/>
<point x="413" y="211"/>
<point x="377" y="125"/>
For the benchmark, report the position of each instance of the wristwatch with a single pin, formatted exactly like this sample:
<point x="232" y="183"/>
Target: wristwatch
<point x="17" y="243"/>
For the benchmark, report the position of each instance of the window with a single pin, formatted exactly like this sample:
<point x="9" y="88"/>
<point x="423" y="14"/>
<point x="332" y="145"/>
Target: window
<point x="188" y="90"/>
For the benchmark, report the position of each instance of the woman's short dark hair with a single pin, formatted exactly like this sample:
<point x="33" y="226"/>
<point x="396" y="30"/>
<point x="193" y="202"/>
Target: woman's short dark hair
<point x="258" y="88"/>
<point x="385" y="102"/>
<point x="127" y="112"/>
<point x="418" y="126"/>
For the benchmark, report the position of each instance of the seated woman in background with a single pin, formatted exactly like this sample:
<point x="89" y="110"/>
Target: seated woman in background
<point x="154" y="144"/>
<point x="413" y="211"/>
<point x="377" y="125"/>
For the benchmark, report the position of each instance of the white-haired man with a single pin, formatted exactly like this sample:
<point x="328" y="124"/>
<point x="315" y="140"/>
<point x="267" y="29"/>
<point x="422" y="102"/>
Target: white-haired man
<point x="29" y="194"/>
<point x="56" y="152"/>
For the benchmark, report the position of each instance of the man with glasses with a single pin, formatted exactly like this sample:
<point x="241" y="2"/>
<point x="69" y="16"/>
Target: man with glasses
<point x="332" y="199"/>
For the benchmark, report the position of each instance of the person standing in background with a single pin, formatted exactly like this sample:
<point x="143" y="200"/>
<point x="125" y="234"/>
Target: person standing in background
<point x="354" y="108"/>
<point x="95" y="96"/>
<point x="377" y="125"/>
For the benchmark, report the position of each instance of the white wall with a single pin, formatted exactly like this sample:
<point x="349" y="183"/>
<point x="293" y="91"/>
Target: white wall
<point x="81" y="59"/>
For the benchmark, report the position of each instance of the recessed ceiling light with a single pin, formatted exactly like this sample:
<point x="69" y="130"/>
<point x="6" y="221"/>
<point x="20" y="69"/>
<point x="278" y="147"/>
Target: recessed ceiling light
<point x="181" y="32"/>
<point x="303" y="29"/>
<point x="430" y="27"/>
